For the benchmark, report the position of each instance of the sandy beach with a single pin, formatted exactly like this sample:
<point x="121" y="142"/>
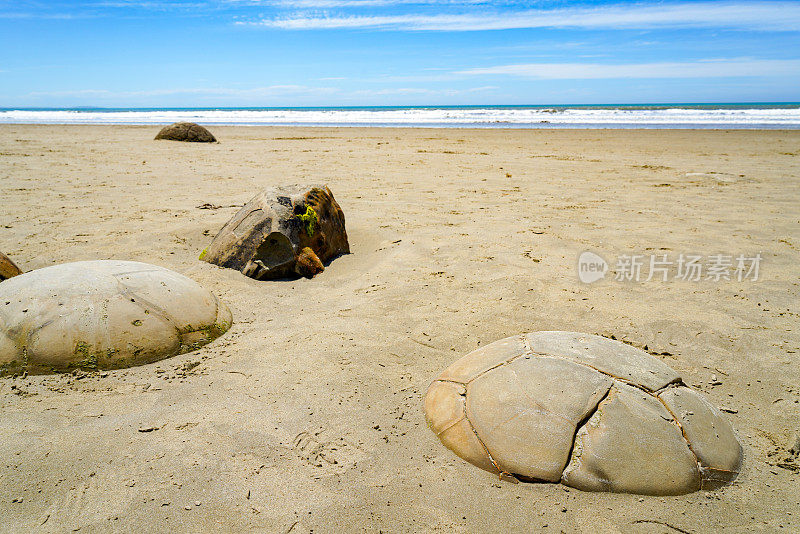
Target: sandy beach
<point x="306" y="416"/>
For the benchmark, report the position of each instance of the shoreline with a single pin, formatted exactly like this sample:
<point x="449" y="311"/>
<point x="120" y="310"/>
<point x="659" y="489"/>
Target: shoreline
<point x="580" y="117"/>
<point x="469" y="128"/>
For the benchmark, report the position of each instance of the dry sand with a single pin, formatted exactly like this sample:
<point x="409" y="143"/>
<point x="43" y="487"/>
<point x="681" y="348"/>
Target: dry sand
<point x="307" y="415"/>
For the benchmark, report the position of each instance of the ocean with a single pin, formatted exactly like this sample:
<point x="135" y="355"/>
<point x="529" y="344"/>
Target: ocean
<point x="718" y="116"/>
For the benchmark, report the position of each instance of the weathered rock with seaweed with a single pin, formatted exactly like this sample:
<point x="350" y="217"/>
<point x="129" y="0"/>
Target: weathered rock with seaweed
<point x="282" y="233"/>
<point x="583" y="410"/>
<point x="103" y="314"/>
<point x="186" y="131"/>
<point x="8" y="268"/>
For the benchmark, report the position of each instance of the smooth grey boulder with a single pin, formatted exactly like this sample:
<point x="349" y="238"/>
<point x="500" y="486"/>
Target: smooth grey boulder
<point x="583" y="410"/>
<point x="103" y="314"/>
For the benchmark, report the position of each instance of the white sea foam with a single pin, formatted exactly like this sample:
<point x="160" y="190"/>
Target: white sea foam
<point x="732" y="117"/>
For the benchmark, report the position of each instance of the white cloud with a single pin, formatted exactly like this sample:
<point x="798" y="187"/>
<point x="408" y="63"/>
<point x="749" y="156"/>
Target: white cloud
<point x="321" y="4"/>
<point x="424" y="91"/>
<point x="154" y="5"/>
<point x="37" y="10"/>
<point x="272" y="90"/>
<point x="698" y="69"/>
<point x="772" y="16"/>
<point x="26" y="15"/>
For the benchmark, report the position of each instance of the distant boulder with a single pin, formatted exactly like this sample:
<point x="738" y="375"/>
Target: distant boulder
<point x="186" y="131"/>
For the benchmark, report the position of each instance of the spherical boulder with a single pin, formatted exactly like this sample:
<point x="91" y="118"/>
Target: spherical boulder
<point x="186" y="131"/>
<point x="589" y="412"/>
<point x="103" y="314"/>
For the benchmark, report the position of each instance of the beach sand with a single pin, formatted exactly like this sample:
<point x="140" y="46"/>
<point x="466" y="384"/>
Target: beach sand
<point x="306" y="416"/>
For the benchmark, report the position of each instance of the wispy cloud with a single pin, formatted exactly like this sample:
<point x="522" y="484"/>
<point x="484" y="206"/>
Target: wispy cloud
<point x="321" y="4"/>
<point x="257" y="94"/>
<point x="272" y="90"/>
<point x="698" y="69"/>
<point x="773" y="16"/>
<point x="154" y="5"/>
<point x="31" y="15"/>
<point x="423" y="91"/>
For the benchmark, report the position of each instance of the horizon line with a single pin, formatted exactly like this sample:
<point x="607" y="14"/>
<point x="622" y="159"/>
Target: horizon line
<point x="211" y="108"/>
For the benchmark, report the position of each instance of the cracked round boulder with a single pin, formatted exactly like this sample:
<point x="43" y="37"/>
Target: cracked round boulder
<point x="103" y="314"/>
<point x="583" y="410"/>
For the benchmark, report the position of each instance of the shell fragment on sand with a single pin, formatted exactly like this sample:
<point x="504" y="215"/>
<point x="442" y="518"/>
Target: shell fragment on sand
<point x="282" y="233"/>
<point x="103" y="314"/>
<point x="592" y="413"/>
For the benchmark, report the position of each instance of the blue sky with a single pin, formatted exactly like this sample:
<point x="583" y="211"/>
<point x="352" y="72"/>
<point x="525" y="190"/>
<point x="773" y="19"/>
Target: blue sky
<point x="154" y="53"/>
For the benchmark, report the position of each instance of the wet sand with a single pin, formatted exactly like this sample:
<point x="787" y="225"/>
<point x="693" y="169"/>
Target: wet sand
<point x="306" y="416"/>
